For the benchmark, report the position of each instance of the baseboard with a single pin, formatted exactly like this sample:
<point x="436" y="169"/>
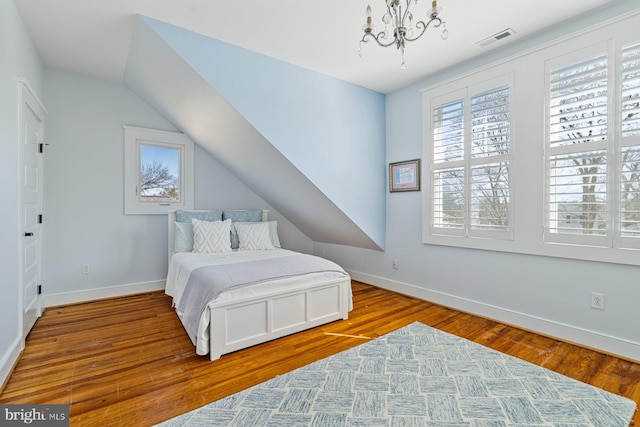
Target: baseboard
<point x="8" y="361"/>
<point x="619" y="347"/>
<point x="101" y="293"/>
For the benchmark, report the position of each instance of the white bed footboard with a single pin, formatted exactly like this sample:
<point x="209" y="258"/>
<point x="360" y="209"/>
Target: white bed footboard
<point x="239" y="324"/>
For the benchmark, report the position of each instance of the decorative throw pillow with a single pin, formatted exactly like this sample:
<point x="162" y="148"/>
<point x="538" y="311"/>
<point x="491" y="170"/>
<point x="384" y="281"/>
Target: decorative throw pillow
<point x="211" y="237"/>
<point x="273" y="234"/>
<point x="253" y="236"/>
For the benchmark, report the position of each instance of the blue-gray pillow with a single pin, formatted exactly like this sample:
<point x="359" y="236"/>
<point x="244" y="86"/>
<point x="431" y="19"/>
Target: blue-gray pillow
<point x="187" y="216"/>
<point x="243" y="215"/>
<point x="183" y="237"/>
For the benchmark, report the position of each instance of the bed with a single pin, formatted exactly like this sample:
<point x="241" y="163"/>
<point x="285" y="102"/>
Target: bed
<point x="230" y="300"/>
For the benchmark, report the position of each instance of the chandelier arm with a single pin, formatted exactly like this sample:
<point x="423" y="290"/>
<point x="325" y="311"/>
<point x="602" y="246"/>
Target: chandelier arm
<point x="376" y="37"/>
<point x="424" y="26"/>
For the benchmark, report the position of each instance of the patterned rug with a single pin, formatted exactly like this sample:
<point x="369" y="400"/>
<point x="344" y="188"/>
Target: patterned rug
<point x="417" y="376"/>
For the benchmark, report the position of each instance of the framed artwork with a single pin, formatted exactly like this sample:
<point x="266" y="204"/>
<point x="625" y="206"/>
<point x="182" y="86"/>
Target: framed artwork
<point x="404" y="176"/>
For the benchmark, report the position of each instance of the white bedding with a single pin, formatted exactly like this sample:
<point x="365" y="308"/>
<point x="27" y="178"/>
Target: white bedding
<point x="183" y="263"/>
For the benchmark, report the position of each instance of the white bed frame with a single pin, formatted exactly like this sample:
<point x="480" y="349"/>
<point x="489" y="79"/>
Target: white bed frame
<point x="237" y="324"/>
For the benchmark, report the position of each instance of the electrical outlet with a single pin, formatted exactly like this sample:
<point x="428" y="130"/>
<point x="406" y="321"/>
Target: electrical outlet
<point x="394" y="263"/>
<point x="85" y="269"/>
<point x="597" y="300"/>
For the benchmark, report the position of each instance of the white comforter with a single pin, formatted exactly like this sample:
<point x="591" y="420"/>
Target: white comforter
<point x="183" y="263"/>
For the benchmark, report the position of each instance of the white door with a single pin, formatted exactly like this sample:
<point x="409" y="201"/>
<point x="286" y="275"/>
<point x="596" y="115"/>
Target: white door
<point x="31" y="189"/>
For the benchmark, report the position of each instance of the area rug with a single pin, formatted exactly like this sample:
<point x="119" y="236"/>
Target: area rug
<point x="417" y="376"/>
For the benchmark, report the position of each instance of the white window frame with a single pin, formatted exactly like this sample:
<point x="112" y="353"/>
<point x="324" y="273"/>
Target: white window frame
<point x="463" y="90"/>
<point x="134" y="137"/>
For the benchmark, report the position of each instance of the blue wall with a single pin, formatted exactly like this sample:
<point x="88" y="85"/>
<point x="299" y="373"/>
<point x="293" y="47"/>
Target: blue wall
<point x="331" y="130"/>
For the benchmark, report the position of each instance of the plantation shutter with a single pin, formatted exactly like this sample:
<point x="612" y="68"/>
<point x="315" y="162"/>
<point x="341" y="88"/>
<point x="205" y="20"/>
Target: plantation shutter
<point x="630" y="148"/>
<point x="448" y="175"/>
<point x="490" y="141"/>
<point x="577" y="153"/>
<point x="470" y="162"/>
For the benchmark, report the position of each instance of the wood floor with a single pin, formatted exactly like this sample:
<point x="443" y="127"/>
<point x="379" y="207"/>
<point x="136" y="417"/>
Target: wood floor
<point x="128" y="362"/>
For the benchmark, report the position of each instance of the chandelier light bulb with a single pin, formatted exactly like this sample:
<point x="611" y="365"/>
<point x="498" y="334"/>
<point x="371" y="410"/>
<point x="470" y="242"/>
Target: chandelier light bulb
<point x="434" y="11"/>
<point x="368" y="27"/>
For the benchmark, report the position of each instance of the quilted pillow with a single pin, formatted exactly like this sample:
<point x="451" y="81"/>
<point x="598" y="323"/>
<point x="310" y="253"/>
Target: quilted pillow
<point x="253" y="236"/>
<point x="211" y="237"/>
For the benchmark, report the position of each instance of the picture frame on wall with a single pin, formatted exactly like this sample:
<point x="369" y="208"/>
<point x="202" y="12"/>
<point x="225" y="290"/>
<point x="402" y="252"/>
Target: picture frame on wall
<point x="404" y="176"/>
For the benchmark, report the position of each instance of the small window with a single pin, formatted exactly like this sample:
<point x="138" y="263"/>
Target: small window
<point x="158" y="171"/>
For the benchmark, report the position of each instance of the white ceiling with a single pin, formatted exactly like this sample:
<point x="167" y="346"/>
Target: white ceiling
<point x="92" y="37"/>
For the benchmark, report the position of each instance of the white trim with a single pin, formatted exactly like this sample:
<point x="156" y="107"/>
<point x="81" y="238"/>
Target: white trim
<point x="608" y="344"/>
<point x="9" y="359"/>
<point x="102" y="293"/>
<point x="32" y="92"/>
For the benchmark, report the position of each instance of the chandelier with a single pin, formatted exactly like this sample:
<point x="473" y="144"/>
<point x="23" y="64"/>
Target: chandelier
<point x="399" y="26"/>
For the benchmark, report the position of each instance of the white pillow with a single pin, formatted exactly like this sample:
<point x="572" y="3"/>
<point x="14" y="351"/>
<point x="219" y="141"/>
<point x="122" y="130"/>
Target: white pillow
<point x="253" y="236"/>
<point x="211" y="237"/>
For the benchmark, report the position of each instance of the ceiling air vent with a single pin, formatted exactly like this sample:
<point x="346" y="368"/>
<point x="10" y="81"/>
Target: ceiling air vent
<point x="496" y="37"/>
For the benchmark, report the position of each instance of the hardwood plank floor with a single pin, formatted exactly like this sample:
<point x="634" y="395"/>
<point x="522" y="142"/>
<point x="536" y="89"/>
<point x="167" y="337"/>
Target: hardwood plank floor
<point x="128" y="362"/>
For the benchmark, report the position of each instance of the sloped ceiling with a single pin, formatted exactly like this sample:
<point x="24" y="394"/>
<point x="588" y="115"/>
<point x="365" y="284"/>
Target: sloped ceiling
<point x="181" y="94"/>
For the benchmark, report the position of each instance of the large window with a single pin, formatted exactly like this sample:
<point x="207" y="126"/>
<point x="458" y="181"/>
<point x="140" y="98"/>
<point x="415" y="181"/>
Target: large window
<point x="539" y="153"/>
<point x="158" y="171"/>
<point x="469" y="148"/>
<point x="593" y="147"/>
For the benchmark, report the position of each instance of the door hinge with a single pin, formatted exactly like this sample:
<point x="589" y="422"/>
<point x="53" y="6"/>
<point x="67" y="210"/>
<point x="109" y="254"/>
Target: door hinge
<point x="40" y="219"/>
<point x="39" y="289"/>
<point x="41" y="147"/>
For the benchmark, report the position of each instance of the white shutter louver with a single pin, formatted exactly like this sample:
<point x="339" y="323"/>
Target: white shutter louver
<point x="631" y="91"/>
<point x="577" y="150"/>
<point x="448" y="198"/>
<point x="447" y="175"/>
<point x="630" y="152"/>
<point x="448" y="132"/>
<point x="490" y="141"/>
